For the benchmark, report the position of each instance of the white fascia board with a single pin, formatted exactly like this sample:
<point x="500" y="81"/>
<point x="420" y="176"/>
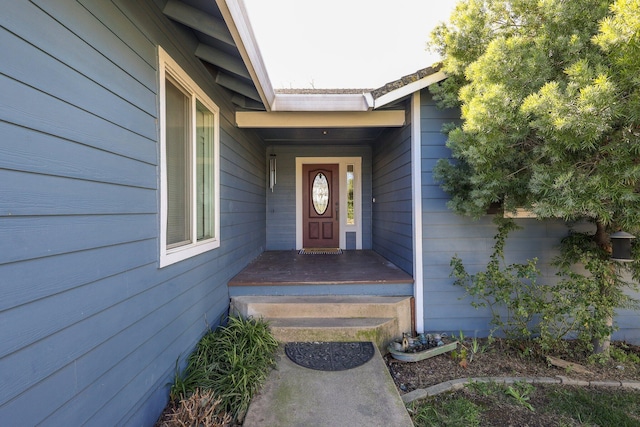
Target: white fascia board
<point x="334" y="119"/>
<point x="235" y="16"/>
<point x="369" y="100"/>
<point x="320" y="102"/>
<point x="416" y="86"/>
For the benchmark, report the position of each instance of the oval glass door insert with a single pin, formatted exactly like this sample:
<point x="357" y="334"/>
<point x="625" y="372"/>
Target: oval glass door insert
<point x="320" y="193"/>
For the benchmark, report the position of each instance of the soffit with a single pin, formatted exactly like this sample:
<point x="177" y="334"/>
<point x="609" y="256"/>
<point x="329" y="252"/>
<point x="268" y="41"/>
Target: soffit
<point x="217" y="48"/>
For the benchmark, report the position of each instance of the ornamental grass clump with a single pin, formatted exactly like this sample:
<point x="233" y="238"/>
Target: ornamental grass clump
<point x="232" y="362"/>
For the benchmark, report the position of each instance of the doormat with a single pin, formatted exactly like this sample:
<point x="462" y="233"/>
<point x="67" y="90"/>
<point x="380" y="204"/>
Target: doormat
<point x="329" y="356"/>
<point x="320" y="251"/>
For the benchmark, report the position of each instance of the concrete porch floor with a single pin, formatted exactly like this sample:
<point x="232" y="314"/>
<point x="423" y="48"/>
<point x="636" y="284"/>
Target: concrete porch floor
<point x="284" y="268"/>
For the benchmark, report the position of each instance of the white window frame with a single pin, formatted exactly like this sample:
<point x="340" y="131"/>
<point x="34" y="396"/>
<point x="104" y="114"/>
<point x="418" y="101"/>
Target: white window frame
<point x="168" y="256"/>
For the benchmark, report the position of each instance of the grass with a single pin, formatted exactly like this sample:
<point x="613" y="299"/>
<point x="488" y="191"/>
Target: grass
<point x="232" y="362"/>
<point x="457" y="412"/>
<point x="478" y="404"/>
<point x="599" y="407"/>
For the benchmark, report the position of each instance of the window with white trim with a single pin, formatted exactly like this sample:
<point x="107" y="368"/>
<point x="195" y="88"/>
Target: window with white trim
<point x="189" y="166"/>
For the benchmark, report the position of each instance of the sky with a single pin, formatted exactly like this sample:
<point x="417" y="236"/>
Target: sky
<point x="327" y="44"/>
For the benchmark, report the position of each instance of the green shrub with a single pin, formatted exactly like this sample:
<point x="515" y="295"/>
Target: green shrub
<point x="523" y="309"/>
<point x="232" y="361"/>
<point x="510" y="292"/>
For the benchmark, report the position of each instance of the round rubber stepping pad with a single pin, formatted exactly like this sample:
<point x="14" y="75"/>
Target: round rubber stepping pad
<point x="329" y="356"/>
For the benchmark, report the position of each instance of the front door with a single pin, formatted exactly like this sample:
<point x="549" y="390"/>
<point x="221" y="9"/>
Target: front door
<point x="320" y="207"/>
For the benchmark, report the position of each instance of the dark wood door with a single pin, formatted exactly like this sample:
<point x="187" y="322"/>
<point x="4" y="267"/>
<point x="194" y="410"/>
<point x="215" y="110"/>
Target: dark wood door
<point x="320" y="206"/>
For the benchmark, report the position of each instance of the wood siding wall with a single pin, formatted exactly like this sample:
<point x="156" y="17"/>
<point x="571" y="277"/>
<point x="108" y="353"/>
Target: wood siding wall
<point x="392" y="223"/>
<point x="446" y="234"/>
<point x="281" y="203"/>
<point x="90" y="327"/>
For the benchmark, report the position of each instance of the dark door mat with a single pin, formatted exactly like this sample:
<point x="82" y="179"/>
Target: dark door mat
<point x="329" y="356"/>
<point x="320" y="251"/>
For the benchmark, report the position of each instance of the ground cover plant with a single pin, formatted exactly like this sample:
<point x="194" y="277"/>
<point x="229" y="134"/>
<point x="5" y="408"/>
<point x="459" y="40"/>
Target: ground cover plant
<point x="490" y="404"/>
<point x="524" y="309"/>
<point x="228" y="366"/>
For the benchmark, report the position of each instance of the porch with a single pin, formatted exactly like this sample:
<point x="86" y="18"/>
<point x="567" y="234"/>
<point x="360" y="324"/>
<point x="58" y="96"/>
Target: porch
<point x="353" y="272"/>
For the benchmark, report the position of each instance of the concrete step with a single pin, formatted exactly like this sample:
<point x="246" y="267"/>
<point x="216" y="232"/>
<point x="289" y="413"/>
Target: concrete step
<point x="378" y="330"/>
<point x="330" y="318"/>
<point x="325" y="306"/>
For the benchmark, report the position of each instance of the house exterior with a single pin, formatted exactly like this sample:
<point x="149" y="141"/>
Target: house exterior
<point x="115" y="257"/>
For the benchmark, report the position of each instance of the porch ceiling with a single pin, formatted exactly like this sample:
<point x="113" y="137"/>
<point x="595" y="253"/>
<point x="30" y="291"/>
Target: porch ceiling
<point x="329" y="136"/>
<point x="352" y="128"/>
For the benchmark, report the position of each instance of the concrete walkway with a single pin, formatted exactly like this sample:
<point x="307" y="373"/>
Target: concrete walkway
<point x="295" y="396"/>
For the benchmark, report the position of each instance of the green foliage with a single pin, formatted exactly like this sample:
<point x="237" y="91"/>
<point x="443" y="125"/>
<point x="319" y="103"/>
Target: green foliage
<point x="468" y="349"/>
<point x="549" y="93"/>
<point x="621" y="354"/>
<point x="598" y="407"/>
<point x="557" y="405"/>
<point x="523" y="309"/>
<point x="233" y="361"/>
<point x="520" y="392"/>
<point x="619" y="39"/>
<point x="459" y="412"/>
<point x="178" y="388"/>
<point x="510" y="292"/>
<point x="595" y="290"/>
<point x="483" y="388"/>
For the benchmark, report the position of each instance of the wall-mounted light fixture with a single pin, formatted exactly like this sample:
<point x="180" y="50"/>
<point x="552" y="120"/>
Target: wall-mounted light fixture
<point x="621" y="246"/>
<point x="272" y="171"/>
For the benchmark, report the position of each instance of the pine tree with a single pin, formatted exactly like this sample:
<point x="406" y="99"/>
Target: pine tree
<point x="549" y="92"/>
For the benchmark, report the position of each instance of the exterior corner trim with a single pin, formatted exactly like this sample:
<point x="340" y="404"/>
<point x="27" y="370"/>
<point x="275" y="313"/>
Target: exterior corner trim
<point x="416" y="184"/>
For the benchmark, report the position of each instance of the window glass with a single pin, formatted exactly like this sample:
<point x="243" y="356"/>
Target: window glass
<point x="189" y="193"/>
<point x="204" y="171"/>
<point x="351" y="218"/>
<point x="177" y="143"/>
<point x="320" y="193"/>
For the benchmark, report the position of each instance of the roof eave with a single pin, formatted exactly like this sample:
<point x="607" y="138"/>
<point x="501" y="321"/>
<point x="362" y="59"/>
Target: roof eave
<point x="408" y="89"/>
<point x="235" y="16"/>
<point x="320" y="102"/>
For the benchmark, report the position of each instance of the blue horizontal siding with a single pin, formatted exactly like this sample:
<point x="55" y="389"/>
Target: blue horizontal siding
<point x="392" y="217"/>
<point x="90" y="327"/>
<point x="78" y="20"/>
<point x="66" y="84"/>
<point x="118" y="68"/>
<point x="30" y="280"/>
<point x="27" y="150"/>
<point x="37" y="194"/>
<point x="27" y="238"/>
<point x="37" y="110"/>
